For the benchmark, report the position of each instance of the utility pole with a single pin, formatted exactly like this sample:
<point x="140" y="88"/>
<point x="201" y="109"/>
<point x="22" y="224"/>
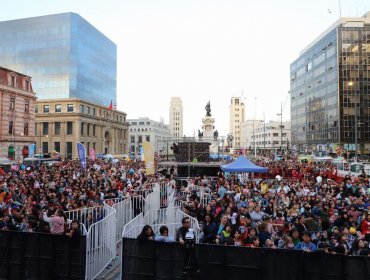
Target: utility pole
<point x="264" y="134"/>
<point x="281" y="128"/>
<point x="189" y="159"/>
<point x="356" y="132"/>
<point x="167" y="148"/>
<point x="254" y="133"/>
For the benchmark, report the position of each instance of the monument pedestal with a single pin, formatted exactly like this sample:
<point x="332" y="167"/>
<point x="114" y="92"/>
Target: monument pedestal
<point x="208" y="127"/>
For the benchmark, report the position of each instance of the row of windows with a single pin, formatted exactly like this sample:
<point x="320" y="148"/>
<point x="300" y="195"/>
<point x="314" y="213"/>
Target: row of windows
<point x="11" y="129"/>
<point x="57" y="108"/>
<point x="140" y="139"/>
<point x="271" y="142"/>
<point x="26" y="104"/>
<point x="269" y="135"/>
<point x="140" y="129"/>
<point x="140" y="123"/>
<point x="83" y="110"/>
<point x="57" y="128"/>
<point x="13" y="83"/>
<point x="89" y="127"/>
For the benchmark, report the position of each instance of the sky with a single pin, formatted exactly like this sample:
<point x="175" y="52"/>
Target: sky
<point x="201" y="50"/>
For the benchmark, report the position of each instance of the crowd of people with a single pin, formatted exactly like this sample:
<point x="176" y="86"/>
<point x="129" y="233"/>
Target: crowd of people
<point x="305" y="206"/>
<point x="35" y="199"/>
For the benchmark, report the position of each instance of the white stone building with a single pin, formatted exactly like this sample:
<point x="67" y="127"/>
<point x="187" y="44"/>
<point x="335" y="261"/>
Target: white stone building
<point x="176" y="118"/>
<point x="236" y="110"/>
<point x="145" y="129"/>
<point x="269" y="136"/>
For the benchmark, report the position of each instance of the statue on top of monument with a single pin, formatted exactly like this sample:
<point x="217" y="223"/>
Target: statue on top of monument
<point x="208" y="109"/>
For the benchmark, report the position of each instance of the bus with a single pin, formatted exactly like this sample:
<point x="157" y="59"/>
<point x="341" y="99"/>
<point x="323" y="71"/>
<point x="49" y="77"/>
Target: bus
<point x="33" y="162"/>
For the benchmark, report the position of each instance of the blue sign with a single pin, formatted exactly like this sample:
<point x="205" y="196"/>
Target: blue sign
<point x="82" y="155"/>
<point x="31" y="150"/>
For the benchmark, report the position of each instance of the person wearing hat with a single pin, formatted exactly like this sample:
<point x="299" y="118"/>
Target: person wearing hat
<point x="306" y="245"/>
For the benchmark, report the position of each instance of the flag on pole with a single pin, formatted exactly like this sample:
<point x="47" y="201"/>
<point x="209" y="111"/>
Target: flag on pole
<point x="82" y="155"/>
<point x="92" y="153"/>
<point x="31" y="150"/>
<point x="110" y="108"/>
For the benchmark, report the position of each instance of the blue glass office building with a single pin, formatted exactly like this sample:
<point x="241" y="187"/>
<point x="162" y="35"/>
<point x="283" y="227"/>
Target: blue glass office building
<point x="330" y="86"/>
<point x="65" y="56"/>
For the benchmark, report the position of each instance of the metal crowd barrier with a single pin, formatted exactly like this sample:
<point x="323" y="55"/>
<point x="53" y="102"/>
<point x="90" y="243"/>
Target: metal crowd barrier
<point x="134" y="227"/>
<point x="101" y="244"/>
<point x="104" y="225"/>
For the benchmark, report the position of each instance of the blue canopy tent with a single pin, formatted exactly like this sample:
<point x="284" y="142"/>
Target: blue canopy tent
<point x="242" y="164"/>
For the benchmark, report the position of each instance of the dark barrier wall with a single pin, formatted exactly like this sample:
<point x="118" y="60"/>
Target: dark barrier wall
<point x="154" y="260"/>
<point x="40" y="256"/>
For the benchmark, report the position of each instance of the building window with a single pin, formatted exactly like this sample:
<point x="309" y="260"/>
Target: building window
<point x="147" y="138"/>
<point x="25" y="129"/>
<point x="94" y="130"/>
<point x="69" y="107"/>
<point x="36" y="109"/>
<point x="10" y="131"/>
<point x="82" y="129"/>
<point x="45" y="128"/>
<point x="236" y="101"/>
<point x="57" y="147"/>
<point x="13" y="81"/>
<point x="88" y="129"/>
<point x="93" y="111"/>
<point x="12" y="103"/>
<point x="141" y="123"/>
<point x="275" y="134"/>
<point x="58" y="108"/>
<point x="69" y="150"/>
<point x="27" y="85"/>
<point x="57" y="128"/>
<point x="81" y="108"/>
<point x="46" y="108"/>
<point x="140" y="139"/>
<point x="26" y="106"/>
<point x="45" y="147"/>
<point x="69" y="128"/>
<point x="132" y="139"/>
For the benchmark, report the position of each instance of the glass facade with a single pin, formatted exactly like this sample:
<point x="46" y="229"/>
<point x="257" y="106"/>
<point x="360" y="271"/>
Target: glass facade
<point x="65" y="56"/>
<point x="329" y="81"/>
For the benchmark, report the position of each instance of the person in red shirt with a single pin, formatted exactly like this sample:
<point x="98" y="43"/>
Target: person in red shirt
<point x="365" y="224"/>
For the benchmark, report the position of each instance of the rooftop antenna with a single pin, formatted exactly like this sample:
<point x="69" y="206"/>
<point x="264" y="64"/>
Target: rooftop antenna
<point x="340" y="9"/>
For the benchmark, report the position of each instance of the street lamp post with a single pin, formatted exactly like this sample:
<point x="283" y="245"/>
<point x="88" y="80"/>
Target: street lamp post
<point x="350" y="84"/>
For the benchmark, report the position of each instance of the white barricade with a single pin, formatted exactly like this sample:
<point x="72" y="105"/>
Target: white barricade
<point x="100" y="244"/>
<point x="133" y="228"/>
<point x="205" y="199"/>
<point x="87" y="216"/>
<point x="152" y="201"/>
<point x="105" y="225"/>
<point x="156" y="216"/>
<point x="165" y="191"/>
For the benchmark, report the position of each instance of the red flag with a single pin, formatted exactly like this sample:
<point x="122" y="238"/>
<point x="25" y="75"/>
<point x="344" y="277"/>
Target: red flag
<point x="110" y="108"/>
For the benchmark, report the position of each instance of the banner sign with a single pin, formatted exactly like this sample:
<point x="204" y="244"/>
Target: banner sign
<point x="148" y="157"/>
<point x="31" y="149"/>
<point x="92" y="154"/>
<point x="82" y="155"/>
